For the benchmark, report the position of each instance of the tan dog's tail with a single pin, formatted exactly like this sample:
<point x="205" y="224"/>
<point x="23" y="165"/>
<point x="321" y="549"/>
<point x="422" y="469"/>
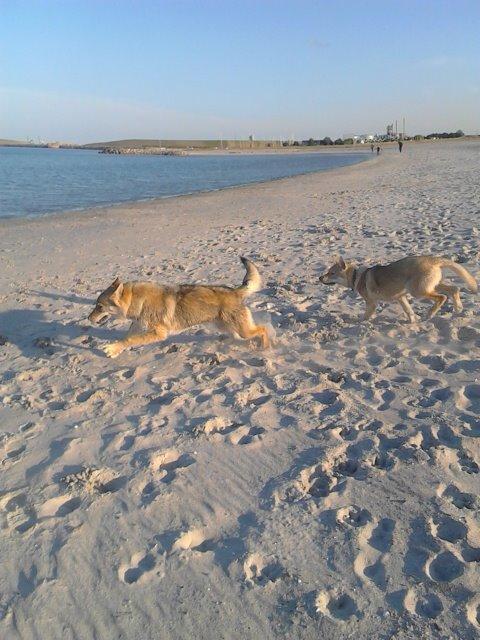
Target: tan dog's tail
<point x="463" y="273"/>
<point x="252" y="281"/>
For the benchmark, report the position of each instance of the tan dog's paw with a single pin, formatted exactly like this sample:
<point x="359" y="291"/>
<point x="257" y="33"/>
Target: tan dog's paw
<point x="113" y="349"/>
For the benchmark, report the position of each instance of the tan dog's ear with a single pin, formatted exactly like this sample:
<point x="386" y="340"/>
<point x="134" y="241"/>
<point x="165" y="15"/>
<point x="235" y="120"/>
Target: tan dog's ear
<point x="117" y="287"/>
<point x="341" y="262"/>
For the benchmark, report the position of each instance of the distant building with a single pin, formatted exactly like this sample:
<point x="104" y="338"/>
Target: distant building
<point x="361" y="138"/>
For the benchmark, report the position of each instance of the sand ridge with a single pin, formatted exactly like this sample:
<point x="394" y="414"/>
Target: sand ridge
<point x="326" y="487"/>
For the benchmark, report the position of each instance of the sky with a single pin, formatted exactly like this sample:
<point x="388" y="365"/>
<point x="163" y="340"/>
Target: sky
<point x="83" y="71"/>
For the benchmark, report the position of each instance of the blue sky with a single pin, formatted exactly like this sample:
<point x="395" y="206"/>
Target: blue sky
<point x="84" y="70"/>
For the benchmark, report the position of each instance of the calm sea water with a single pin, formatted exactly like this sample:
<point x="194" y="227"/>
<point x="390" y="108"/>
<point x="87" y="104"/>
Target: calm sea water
<point x="39" y="181"/>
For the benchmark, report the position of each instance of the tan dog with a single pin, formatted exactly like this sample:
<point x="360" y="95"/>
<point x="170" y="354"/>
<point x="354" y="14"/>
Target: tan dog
<point x="158" y="310"/>
<point x="419" y="276"/>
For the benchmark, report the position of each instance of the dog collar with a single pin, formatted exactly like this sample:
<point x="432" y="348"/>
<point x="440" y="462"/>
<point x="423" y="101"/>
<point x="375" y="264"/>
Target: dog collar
<point x="354" y="277"/>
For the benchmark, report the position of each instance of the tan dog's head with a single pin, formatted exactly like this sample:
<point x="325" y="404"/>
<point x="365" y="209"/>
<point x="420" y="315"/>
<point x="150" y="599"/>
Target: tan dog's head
<point x="337" y="274"/>
<point x="108" y="303"/>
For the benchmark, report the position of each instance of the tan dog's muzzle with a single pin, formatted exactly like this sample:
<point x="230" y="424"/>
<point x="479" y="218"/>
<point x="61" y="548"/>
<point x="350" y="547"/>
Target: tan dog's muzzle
<point x="97" y="316"/>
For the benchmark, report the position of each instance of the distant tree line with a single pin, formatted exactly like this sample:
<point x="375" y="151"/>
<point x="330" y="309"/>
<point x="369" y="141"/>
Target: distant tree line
<point x="452" y="134"/>
<point x="312" y="142"/>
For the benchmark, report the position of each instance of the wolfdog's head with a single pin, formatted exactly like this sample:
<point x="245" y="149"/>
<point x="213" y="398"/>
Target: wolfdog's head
<point x="337" y="274"/>
<point x="108" y="303"/>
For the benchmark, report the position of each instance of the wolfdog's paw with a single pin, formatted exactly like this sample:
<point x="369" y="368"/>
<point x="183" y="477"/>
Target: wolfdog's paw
<point x="113" y="349"/>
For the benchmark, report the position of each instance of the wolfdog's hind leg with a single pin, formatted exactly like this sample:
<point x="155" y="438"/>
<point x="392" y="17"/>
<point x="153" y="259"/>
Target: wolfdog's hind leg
<point x="452" y="292"/>
<point x="439" y="301"/>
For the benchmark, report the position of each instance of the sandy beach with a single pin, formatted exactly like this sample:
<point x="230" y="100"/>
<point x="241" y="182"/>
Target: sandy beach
<point x="205" y="489"/>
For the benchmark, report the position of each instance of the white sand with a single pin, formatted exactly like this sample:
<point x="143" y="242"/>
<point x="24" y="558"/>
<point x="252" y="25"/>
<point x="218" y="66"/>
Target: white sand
<point x="203" y="489"/>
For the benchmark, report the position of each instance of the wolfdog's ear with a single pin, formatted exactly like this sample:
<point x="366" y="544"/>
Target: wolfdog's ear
<point x="341" y="262"/>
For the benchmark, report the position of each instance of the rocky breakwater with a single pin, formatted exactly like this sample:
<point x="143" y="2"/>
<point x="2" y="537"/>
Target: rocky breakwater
<point x="156" y="151"/>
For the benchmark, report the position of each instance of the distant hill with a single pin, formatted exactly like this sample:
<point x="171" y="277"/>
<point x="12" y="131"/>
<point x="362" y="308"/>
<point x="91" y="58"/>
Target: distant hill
<point x="182" y="144"/>
<point x="14" y="143"/>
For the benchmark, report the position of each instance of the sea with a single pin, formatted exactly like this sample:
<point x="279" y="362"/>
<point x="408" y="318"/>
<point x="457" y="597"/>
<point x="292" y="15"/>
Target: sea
<point x="39" y="181"/>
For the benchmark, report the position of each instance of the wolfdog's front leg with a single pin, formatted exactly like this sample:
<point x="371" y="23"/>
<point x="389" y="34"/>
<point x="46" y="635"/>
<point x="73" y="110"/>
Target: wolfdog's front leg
<point x="370" y="310"/>
<point x="114" y="349"/>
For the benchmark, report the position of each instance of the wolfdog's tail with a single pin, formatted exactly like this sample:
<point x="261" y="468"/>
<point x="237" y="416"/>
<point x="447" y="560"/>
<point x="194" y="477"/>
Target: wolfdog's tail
<point x="463" y="273"/>
<point x="252" y="281"/>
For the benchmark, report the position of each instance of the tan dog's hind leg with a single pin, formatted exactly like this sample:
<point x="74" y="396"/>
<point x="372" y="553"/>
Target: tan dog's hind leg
<point x="114" y="349"/>
<point x="407" y="308"/>
<point x="245" y="326"/>
<point x="439" y="299"/>
<point x="452" y="292"/>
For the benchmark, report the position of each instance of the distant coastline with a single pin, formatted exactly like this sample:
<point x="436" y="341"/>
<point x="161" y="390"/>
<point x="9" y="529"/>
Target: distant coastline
<point x="140" y="146"/>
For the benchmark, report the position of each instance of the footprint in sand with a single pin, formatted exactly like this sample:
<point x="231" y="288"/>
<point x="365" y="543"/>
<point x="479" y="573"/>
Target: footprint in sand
<point x="94" y="481"/>
<point x="473" y="611"/>
<point x="319" y="480"/>
<point x="468" y="334"/>
<point x="467" y="463"/>
<point x="261" y="571"/>
<point x="428" y="605"/>
<point x="444" y="567"/>
<point x="322" y="479"/>
<point x="14" y="447"/>
<point x="336" y="605"/>
<point x="59" y="507"/>
<point x="140" y="565"/>
<point x="215" y="426"/>
<point x="254" y="394"/>
<point x="353" y="516"/>
<point x="435" y="363"/>
<point x="374" y="541"/>
<point x="460" y="499"/>
<point x="19" y="515"/>
<point x="29" y="430"/>
<point x="469" y="398"/>
<point x="246" y="435"/>
<point x="91" y="396"/>
<point x="388" y="397"/>
<point x="167" y="464"/>
<point x="193" y="539"/>
<point x="448" y="529"/>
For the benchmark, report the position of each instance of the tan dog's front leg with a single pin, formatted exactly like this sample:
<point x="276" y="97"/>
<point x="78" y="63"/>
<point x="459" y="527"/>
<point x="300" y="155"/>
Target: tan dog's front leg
<point x="114" y="349"/>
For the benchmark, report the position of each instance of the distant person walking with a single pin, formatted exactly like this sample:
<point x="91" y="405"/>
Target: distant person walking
<point x="372" y="147"/>
<point x="400" y="145"/>
<point x="378" y="150"/>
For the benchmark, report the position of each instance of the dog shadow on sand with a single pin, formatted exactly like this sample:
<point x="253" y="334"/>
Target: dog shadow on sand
<point x="36" y="334"/>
